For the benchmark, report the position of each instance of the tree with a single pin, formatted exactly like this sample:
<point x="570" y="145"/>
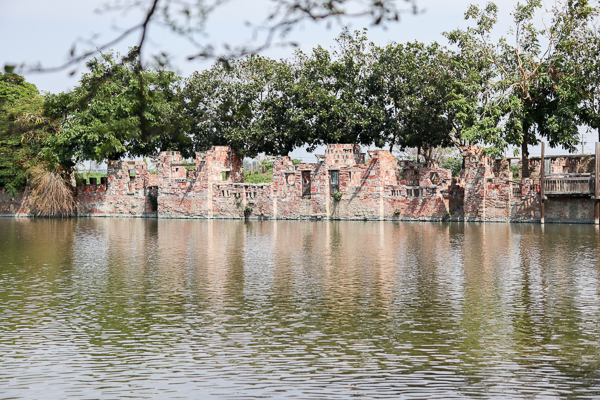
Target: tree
<point x="473" y="114"/>
<point x="585" y="51"/>
<point x="189" y="20"/>
<point x="283" y="122"/>
<point x="533" y="88"/>
<point x="115" y="111"/>
<point x="336" y="97"/>
<point x="23" y="130"/>
<point x="411" y="85"/>
<point x="222" y="104"/>
<point x="257" y="105"/>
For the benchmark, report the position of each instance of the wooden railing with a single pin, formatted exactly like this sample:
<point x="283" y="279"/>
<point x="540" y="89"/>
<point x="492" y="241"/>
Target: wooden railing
<point x="569" y="184"/>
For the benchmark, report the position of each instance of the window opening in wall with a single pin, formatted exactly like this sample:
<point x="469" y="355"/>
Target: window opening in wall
<point x="306" y="184"/>
<point x="131" y="186"/>
<point x="225" y="175"/>
<point x="290" y="179"/>
<point x="334" y="181"/>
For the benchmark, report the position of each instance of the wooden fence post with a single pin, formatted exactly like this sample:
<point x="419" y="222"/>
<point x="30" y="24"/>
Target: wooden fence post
<point x="542" y="181"/>
<point x="597" y="185"/>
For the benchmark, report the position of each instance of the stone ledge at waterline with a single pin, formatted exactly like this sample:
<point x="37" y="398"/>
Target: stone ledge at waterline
<point x="381" y="188"/>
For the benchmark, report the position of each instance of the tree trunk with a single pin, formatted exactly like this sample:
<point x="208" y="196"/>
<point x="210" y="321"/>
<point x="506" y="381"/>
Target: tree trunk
<point x="525" y="156"/>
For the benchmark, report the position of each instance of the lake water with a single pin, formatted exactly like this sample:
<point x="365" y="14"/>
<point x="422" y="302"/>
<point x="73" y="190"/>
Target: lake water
<point x="165" y="309"/>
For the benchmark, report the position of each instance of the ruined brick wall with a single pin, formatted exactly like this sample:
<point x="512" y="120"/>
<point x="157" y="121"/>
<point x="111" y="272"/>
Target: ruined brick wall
<point x="474" y="179"/>
<point x="126" y="191"/>
<point x="289" y="200"/>
<point x="199" y="190"/>
<point x="422" y="191"/>
<point x="232" y="199"/>
<point x="219" y="164"/>
<point x="569" y="209"/>
<point x="182" y="192"/>
<point x="211" y="186"/>
<point x="571" y="164"/>
<point x="13" y="205"/>
<point x="343" y="155"/>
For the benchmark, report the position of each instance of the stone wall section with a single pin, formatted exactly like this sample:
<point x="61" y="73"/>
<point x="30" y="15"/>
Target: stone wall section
<point x="127" y="191"/>
<point x="14" y="206"/>
<point x="375" y="187"/>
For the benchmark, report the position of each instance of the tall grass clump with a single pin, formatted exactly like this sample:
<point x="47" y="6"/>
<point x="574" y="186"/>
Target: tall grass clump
<point x="50" y="194"/>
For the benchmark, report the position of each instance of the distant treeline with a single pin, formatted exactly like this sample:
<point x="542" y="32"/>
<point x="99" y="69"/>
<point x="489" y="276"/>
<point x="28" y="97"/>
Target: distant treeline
<point x="539" y="83"/>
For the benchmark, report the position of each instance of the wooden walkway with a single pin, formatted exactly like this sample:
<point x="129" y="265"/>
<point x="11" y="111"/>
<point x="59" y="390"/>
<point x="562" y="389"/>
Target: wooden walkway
<point x="565" y="185"/>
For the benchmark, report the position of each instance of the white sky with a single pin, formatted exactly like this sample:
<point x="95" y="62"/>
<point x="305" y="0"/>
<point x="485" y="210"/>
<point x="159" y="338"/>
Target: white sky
<point x="43" y="31"/>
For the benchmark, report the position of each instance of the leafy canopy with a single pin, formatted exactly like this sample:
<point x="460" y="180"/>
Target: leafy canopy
<point x="23" y="130"/>
<point x="116" y="111"/>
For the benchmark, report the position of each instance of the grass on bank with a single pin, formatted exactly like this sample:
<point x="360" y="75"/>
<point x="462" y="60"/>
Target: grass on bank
<point x="83" y="177"/>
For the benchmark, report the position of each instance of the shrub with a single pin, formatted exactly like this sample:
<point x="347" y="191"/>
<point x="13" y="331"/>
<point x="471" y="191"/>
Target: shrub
<point x="397" y="212"/>
<point x="515" y="171"/>
<point x="51" y="195"/>
<point x="258" y="177"/>
<point x="247" y="211"/>
<point x="337" y="196"/>
<point x="454" y="164"/>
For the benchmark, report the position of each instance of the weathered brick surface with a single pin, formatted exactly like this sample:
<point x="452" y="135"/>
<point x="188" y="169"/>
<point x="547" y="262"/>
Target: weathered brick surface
<point x="126" y="191"/>
<point x="380" y="188"/>
<point x="10" y="205"/>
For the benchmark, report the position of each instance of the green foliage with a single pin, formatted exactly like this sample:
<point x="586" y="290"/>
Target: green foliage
<point x="23" y="130"/>
<point x="247" y="211"/>
<point x="411" y="90"/>
<point x="263" y="175"/>
<point x="83" y="177"/>
<point x="258" y="177"/>
<point x="532" y="86"/>
<point x="116" y="111"/>
<point x="454" y="164"/>
<point x="337" y="196"/>
<point x="583" y="57"/>
<point x="295" y="161"/>
<point x="515" y="171"/>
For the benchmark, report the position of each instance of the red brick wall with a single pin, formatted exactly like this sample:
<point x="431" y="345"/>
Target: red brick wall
<point x="382" y="188"/>
<point x="122" y="195"/>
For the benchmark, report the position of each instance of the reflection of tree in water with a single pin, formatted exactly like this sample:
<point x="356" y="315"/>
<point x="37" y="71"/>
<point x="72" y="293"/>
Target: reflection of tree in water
<point x="556" y="329"/>
<point x="488" y="305"/>
<point x="35" y="254"/>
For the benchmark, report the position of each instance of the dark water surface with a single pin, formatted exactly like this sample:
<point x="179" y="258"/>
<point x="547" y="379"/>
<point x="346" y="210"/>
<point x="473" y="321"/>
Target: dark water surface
<point x="133" y="308"/>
